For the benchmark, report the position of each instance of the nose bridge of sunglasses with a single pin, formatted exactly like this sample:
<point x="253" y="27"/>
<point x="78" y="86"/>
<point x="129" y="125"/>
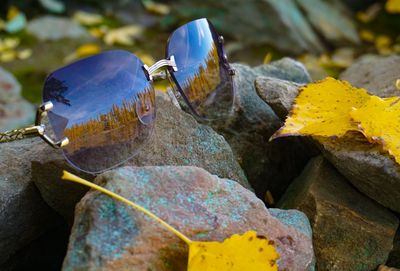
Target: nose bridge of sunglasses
<point x="42" y="112"/>
<point x="150" y="71"/>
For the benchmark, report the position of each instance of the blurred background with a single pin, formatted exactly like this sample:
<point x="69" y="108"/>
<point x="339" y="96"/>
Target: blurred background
<point x="38" y="36"/>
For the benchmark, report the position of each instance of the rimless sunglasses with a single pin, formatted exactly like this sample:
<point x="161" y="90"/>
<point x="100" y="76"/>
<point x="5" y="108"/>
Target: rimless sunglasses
<point x="101" y="109"/>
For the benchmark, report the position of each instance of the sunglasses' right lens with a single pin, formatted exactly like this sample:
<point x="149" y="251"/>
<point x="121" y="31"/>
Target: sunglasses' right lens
<point x="203" y="74"/>
<point x="105" y="105"/>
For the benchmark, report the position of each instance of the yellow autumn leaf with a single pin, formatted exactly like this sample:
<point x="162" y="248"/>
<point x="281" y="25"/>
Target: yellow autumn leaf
<point x="267" y="58"/>
<point x="322" y="109"/>
<point x="248" y="252"/>
<point x="124" y="35"/>
<point x="86" y="18"/>
<point x="12" y="12"/>
<point x="83" y="51"/>
<point x="157" y="8"/>
<point x="393" y="6"/>
<point x="24" y="53"/>
<point x="378" y="121"/>
<point x="367" y="35"/>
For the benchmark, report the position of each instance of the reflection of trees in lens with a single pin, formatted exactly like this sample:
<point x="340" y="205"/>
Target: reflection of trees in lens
<point x="105" y="129"/>
<point x="55" y="89"/>
<point x="205" y="80"/>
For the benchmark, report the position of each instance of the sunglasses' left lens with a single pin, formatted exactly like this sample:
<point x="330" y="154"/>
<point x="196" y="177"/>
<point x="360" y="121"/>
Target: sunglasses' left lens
<point x="105" y="105"/>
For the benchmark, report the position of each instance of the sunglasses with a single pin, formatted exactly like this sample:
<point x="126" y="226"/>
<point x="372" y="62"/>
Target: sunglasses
<point x="102" y="109"/>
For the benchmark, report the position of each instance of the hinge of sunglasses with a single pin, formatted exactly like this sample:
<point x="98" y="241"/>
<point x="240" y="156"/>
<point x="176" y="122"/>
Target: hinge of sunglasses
<point x="35" y="130"/>
<point x="159" y="64"/>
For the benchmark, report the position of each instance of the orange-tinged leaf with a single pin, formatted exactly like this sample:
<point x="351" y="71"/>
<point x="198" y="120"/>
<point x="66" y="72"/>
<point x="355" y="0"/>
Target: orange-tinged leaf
<point x="248" y="252"/>
<point x="378" y="121"/>
<point x="322" y="109"/>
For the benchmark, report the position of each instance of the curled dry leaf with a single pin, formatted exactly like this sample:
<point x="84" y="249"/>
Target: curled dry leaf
<point x="322" y="109"/>
<point x="378" y="120"/>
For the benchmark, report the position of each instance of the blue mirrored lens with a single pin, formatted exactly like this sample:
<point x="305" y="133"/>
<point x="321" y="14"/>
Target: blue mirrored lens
<point x="105" y="105"/>
<point x="203" y="72"/>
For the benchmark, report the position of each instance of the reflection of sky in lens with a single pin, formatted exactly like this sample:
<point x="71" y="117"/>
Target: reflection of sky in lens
<point x="96" y="83"/>
<point x="190" y="44"/>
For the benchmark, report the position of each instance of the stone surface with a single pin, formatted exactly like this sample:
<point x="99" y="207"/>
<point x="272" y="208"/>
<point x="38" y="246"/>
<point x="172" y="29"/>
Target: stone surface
<point x="394" y="256"/>
<point x="178" y="140"/>
<point x="268" y="165"/>
<point x="55" y="28"/>
<point x="108" y="235"/>
<point x="331" y="19"/>
<point x="15" y="112"/>
<point x="24" y="216"/>
<point x="350" y="231"/>
<point x="306" y="24"/>
<point x="278" y="94"/>
<point x="377" y="74"/>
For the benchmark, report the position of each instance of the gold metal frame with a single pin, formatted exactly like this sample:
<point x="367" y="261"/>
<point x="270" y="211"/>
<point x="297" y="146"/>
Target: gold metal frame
<point x="38" y="129"/>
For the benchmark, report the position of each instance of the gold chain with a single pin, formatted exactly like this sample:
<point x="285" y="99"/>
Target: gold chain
<point x="17" y="134"/>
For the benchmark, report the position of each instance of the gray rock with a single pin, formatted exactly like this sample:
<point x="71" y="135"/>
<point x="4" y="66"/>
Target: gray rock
<point x="15" y="112"/>
<point x="108" y="235"/>
<point x="178" y="140"/>
<point x="278" y="94"/>
<point x="268" y="165"/>
<point x="370" y="169"/>
<point x="331" y="19"/>
<point x="350" y="231"/>
<point x="394" y="256"/>
<point x="55" y="28"/>
<point x="261" y="22"/>
<point x="24" y="216"/>
<point x="377" y="74"/>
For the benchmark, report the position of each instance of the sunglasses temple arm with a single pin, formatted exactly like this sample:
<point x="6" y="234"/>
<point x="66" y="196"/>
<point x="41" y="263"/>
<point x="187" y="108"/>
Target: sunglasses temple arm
<point x="16" y="134"/>
<point x="37" y="130"/>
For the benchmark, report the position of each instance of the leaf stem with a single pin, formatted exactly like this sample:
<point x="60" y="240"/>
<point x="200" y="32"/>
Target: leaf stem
<point x="71" y="177"/>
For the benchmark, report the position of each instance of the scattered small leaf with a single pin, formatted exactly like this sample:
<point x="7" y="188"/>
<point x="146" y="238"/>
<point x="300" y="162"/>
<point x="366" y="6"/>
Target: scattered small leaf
<point x="248" y="252"/>
<point x="267" y="58"/>
<point x="83" y="51"/>
<point x="382" y="44"/>
<point x="98" y="32"/>
<point x="24" y="54"/>
<point x="392" y="6"/>
<point x="86" y="18"/>
<point x="124" y="35"/>
<point x="8" y="56"/>
<point x="322" y="109"/>
<point x="378" y="120"/>
<point x="16" y="20"/>
<point x="397" y="84"/>
<point x="157" y="8"/>
<point x="367" y="35"/>
<point x="369" y="14"/>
